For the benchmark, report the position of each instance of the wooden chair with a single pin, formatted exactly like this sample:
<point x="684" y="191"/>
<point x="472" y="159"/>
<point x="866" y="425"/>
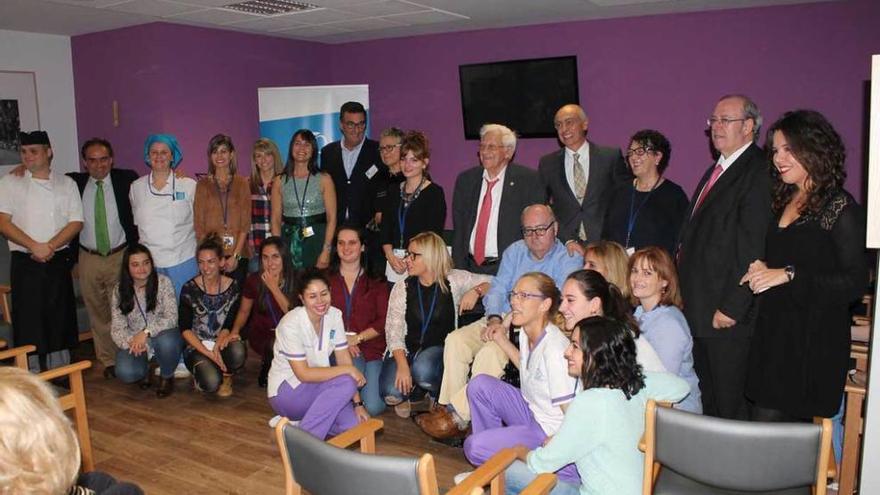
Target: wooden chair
<point x="5" y="291"/>
<point x="712" y="455"/>
<point x="74" y="400"/>
<point x="329" y="468"/>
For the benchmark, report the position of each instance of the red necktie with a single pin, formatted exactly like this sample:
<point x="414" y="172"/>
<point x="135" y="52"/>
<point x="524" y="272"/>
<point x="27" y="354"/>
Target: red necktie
<point x="715" y="173"/>
<point x="483" y="224"/>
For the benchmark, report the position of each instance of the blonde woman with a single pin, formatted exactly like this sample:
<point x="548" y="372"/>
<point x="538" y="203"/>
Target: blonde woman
<point x="266" y="164"/>
<point x="611" y="261"/>
<point x="422" y="310"/>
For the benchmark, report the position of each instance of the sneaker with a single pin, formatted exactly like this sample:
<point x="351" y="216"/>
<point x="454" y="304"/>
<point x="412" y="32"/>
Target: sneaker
<point x="274" y="421"/>
<point x="180" y="371"/>
<point x="225" y="389"/>
<point x="458" y="478"/>
<point x="403" y="410"/>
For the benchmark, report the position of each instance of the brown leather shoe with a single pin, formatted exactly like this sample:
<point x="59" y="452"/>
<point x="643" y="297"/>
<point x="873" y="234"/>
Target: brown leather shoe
<point x="441" y="426"/>
<point x="435" y="410"/>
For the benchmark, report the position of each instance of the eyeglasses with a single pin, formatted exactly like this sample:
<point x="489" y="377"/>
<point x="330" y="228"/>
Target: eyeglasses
<point x="355" y="125"/>
<point x="537" y="231"/>
<point x="388" y="148"/>
<point x="640" y="151"/>
<point x="522" y="296"/>
<point x="412" y="255"/>
<point x="724" y="121"/>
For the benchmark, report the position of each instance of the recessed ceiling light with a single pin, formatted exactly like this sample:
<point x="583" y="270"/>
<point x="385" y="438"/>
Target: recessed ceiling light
<point x="270" y="7"/>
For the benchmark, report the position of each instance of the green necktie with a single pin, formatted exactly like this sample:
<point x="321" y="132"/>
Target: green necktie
<point x="102" y="234"/>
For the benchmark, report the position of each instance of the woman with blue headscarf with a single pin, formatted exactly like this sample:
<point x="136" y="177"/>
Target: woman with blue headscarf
<point x="162" y="204"/>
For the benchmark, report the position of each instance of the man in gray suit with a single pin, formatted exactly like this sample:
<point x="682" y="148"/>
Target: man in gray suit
<point x="579" y="178"/>
<point x="488" y="200"/>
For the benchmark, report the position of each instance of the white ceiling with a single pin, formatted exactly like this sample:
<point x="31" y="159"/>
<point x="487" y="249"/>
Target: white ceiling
<point x="339" y="21"/>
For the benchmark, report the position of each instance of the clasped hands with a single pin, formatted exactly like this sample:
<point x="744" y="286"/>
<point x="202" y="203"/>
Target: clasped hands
<point x="761" y="278"/>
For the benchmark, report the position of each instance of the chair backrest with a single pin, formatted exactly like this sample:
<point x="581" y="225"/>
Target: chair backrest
<point x="738" y="455"/>
<point x="320" y="468"/>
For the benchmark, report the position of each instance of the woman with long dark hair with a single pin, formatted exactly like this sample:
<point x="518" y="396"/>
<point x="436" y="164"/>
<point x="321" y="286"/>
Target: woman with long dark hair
<point x="143" y="321"/>
<point x="605" y="421"/>
<point x="266" y="297"/>
<point x="814" y="268"/>
<point x="304" y="204"/>
<point x="363" y="299"/>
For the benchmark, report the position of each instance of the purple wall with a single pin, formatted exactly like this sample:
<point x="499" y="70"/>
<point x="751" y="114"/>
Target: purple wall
<point x="664" y="72"/>
<point x="191" y="82"/>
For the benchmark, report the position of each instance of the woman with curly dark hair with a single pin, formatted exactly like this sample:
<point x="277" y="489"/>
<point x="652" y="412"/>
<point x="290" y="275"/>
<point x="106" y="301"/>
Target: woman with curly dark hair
<point x="604" y="422"/>
<point x="814" y="267"/>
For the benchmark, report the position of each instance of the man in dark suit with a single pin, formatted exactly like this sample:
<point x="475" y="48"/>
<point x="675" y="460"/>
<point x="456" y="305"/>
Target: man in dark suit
<point x="724" y="232"/>
<point x="579" y="178"/>
<point x="108" y="227"/>
<point x="513" y="187"/>
<point x="355" y="166"/>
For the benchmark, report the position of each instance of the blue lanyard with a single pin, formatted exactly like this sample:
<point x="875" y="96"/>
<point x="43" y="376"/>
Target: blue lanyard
<point x="268" y="301"/>
<point x="173" y="187"/>
<point x="633" y="214"/>
<point x="141" y="309"/>
<point x="426" y="320"/>
<point x="349" y="296"/>
<point x="302" y="204"/>
<point x="223" y="197"/>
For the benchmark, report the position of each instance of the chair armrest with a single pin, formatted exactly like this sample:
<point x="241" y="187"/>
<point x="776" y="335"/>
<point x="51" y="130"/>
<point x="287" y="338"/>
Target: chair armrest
<point x="485" y="474"/>
<point x="70" y="369"/>
<point x="5" y="290"/>
<point x="2" y="343"/>
<point x="365" y="433"/>
<point x="20" y="355"/>
<point x="540" y="485"/>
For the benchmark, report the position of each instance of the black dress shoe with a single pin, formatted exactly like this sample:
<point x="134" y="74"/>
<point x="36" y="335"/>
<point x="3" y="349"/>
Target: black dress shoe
<point x="144" y="383"/>
<point x="166" y="386"/>
<point x="109" y="372"/>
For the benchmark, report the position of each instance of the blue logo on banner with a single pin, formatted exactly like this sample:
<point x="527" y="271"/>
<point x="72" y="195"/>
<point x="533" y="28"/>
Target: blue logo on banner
<point x="325" y="126"/>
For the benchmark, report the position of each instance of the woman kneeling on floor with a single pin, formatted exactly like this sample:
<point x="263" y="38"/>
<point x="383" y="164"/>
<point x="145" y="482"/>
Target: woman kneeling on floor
<point x="143" y="321"/>
<point x="303" y="386"/>
<point x="208" y="305"/>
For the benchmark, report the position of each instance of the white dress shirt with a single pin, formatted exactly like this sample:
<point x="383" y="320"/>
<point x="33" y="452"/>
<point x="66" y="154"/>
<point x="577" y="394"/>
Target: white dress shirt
<point x="40" y="207"/>
<point x="87" y="237"/>
<point x="725" y="164"/>
<point x="492" y="229"/>
<point x="165" y="218"/>
<point x="350" y="156"/>
<point x="584" y="159"/>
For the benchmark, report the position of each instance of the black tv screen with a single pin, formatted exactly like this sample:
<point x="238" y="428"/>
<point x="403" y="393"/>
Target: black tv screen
<point x="521" y="94"/>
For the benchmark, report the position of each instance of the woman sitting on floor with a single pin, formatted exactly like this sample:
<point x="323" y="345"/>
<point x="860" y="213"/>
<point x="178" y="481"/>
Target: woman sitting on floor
<point x="363" y="300"/>
<point x="143" y="321"/>
<point x="422" y="310"/>
<point x="503" y="415"/>
<point x="654" y="284"/>
<point x="303" y="386"/>
<point x="208" y="305"/>
<point x="603" y="424"/>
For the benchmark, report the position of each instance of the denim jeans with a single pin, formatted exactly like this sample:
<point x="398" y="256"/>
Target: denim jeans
<point x="370" y="392"/>
<point x="167" y="346"/>
<point x="426" y="367"/>
<point x="518" y="476"/>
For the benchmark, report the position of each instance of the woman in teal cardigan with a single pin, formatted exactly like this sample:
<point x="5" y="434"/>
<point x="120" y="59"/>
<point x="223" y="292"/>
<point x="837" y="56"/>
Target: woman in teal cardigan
<point x="602" y="427"/>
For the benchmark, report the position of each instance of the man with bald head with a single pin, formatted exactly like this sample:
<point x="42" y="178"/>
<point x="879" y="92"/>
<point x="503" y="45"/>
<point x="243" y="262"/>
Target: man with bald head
<point x="579" y="178"/>
<point x="470" y="350"/>
<point x="724" y="232"/>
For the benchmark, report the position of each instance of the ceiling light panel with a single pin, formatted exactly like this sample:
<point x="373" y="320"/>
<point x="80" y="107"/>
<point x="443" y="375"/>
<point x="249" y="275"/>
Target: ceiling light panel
<point x="270" y="7"/>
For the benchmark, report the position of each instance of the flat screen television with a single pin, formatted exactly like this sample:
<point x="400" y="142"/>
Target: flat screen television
<point x="521" y="94"/>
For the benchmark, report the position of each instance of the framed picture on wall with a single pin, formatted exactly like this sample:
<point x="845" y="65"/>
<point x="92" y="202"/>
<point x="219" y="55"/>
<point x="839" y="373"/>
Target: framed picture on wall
<point x="18" y="111"/>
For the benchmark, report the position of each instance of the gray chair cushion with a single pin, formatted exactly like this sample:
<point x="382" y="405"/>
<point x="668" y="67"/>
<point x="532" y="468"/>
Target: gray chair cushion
<point x="322" y="469"/>
<point x="671" y="483"/>
<point x="737" y="455"/>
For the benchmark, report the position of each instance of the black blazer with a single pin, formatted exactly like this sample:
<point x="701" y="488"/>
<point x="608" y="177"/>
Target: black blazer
<point x="121" y="180"/>
<point x="519" y="190"/>
<point x="607" y="171"/>
<point x="356" y="194"/>
<point x="720" y="240"/>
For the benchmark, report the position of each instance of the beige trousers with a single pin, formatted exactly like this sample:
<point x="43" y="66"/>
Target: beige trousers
<point x="98" y="275"/>
<point x="464" y="352"/>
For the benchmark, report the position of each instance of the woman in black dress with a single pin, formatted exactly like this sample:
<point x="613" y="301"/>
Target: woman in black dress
<point x="649" y="211"/>
<point x="414" y="206"/>
<point x="814" y="267"/>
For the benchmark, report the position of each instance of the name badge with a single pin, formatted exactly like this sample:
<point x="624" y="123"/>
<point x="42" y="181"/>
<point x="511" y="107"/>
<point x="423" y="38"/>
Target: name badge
<point x="630" y="251"/>
<point x="332" y="334"/>
<point x="400" y="253"/>
<point x="371" y="172"/>
<point x="308" y="232"/>
<point x="228" y="241"/>
<point x="179" y="195"/>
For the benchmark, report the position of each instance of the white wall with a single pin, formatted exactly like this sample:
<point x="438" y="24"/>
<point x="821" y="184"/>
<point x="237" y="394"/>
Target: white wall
<point x="49" y="57"/>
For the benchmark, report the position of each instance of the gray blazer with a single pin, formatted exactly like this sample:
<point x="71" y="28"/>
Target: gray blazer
<point x="607" y="171"/>
<point x="519" y="190"/>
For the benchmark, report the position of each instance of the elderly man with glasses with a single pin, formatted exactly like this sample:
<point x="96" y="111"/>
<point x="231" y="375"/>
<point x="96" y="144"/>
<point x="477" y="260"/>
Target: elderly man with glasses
<point x="468" y="350"/>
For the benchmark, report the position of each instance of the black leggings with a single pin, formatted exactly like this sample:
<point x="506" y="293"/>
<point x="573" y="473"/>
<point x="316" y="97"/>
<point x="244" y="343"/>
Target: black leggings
<point x="207" y="374"/>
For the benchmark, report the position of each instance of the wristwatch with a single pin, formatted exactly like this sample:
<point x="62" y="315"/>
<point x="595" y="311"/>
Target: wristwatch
<point x="789" y="272"/>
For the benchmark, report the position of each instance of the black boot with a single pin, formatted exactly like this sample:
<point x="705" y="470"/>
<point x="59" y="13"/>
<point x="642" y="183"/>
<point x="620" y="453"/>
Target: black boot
<point x="166" y="386"/>
<point x="263" y="378"/>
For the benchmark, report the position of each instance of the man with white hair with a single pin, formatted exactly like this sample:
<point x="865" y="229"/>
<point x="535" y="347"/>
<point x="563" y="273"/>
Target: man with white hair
<point x="488" y="200"/>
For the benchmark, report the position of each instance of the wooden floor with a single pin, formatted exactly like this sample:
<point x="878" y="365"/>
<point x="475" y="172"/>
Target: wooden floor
<point x="190" y="443"/>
